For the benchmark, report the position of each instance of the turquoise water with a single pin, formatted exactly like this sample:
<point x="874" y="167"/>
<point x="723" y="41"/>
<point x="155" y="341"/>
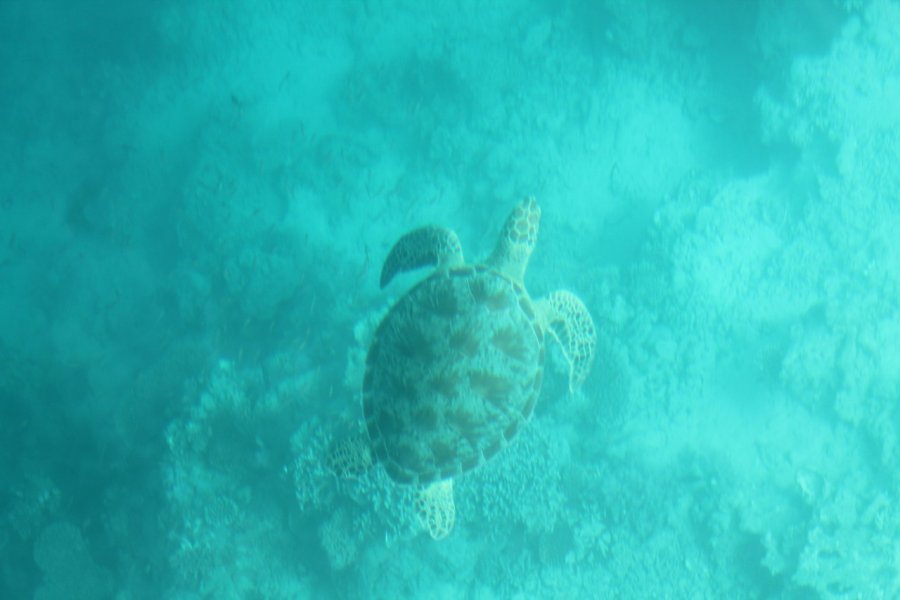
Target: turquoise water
<point x="195" y="202"/>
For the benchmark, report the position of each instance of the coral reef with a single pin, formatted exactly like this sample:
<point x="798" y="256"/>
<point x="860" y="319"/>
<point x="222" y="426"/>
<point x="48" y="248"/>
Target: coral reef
<point x="227" y="493"/>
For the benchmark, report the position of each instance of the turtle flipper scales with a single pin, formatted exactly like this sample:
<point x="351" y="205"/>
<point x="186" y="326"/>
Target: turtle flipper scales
<point x="517" y="240"/>
<point x="568" y="320"/>
<point x="350" y="457"/>
<point x="436" y="510"/>
<point x="422" y="247"/>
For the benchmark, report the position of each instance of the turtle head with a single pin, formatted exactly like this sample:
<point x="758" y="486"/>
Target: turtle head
<point x="517" y="239"/>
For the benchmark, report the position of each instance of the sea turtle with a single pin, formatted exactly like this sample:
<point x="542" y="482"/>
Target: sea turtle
<point x="455" y="367"/>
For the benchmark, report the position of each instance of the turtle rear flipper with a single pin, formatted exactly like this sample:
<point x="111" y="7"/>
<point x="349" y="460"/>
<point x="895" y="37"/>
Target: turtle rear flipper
<point x="420" y="248"/>
<point x="351" y="457"/>
<point x="568" y="320"/>
<point x="436" y="510"/>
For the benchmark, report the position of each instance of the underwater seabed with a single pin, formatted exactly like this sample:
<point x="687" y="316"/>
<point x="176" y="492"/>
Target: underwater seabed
<point x="196" y="204"/>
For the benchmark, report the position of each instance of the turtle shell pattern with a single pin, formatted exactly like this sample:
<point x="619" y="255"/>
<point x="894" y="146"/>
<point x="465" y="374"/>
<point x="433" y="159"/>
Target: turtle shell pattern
<point x="452" y="374"/>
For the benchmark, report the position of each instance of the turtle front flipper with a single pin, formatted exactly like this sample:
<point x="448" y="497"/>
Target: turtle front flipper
<point x="436" y="510"/>
<point x="568" y="320"/>
<point x="422" y="247"/>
